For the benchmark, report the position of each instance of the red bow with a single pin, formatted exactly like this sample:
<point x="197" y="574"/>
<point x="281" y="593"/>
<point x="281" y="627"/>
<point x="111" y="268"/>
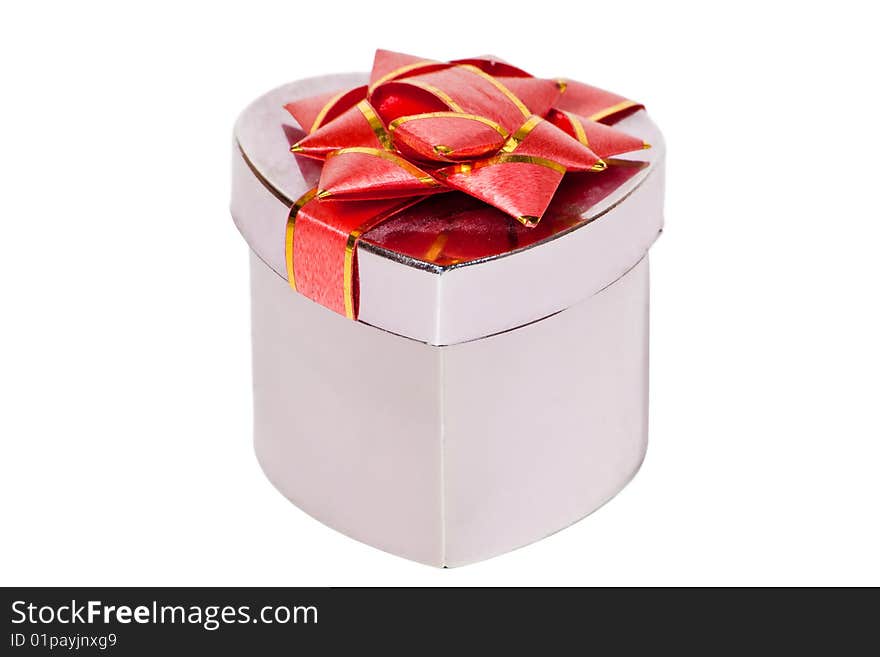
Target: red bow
<point x="479" y="126"/>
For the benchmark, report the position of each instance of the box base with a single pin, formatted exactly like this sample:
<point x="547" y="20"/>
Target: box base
<point x="454" y="454"/>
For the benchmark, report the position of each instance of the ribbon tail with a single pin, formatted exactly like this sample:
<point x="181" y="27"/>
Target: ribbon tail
<point x="321" y="243"/>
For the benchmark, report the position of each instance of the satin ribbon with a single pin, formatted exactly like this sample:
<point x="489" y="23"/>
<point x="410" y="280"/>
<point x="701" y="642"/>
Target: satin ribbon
<point x="478" y="127"/>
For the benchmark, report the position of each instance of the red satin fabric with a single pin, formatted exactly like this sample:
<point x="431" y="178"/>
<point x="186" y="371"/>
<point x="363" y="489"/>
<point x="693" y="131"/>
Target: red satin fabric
<point x="452" y="228"/>
<point x="445" y="139"/>
<point x="350" y="129"/>
<point x="603" y="140"/>
<point x="322" y="233"/>
<point x="306" y="111"/>
<point x="386" y="178"/>
<point x="507" y="143"/>
<point x="586" y="101"/>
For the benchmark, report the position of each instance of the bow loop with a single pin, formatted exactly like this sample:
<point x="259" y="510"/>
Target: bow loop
<point x="364" y="173"/>
<point x="358" y="126"/>
<point x="443" y="137"/>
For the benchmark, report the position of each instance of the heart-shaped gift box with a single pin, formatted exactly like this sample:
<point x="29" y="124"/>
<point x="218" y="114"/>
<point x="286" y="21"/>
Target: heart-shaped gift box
<point x="494" y="386"/>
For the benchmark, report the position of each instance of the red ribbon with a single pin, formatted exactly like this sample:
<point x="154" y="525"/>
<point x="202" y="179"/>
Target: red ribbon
<point x="477" y="126"/>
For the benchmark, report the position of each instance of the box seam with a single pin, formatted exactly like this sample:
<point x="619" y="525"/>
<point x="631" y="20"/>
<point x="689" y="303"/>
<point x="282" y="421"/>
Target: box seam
<point x="441" y="355"/>
<point x="441" y="404"/>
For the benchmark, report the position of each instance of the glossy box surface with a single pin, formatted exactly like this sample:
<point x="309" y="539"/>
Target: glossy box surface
<point x="473" y="409"/>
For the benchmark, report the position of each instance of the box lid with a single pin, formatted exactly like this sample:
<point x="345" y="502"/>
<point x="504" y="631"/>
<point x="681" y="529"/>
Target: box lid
<point x="447" y="302"/>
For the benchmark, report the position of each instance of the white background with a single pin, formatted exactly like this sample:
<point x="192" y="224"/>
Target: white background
<point x="125" y="414"/>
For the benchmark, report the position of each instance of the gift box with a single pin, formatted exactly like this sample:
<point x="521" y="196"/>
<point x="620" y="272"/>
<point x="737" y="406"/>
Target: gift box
<point x="449" y="281"/>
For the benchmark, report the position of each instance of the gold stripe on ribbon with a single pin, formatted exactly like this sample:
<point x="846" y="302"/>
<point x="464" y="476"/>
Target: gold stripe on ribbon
<point x="348" y="272"/>
<point x="578" y="128"/>
<point x="436" y="248"/>
<point x="375" y="124"/>
<point x="521" y="106"/>
<point x="351" y="245"/>
<point x="458" y="115"/>
<point x="466" y="168"/>
<point x="608" y="111"/>
<point x="527" y="159"/>
<point x="323" y="113"/>
<point x="396" y="73"/>
<point x="517" y="137"/>
<point x="411" y="169"/>
<point x="288" y="236"/>
<point x="439" y="93"/>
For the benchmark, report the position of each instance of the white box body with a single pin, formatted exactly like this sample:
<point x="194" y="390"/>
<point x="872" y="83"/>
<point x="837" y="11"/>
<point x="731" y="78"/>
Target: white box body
<point x="450" y="454"/>
<point x="474" y="408"/>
